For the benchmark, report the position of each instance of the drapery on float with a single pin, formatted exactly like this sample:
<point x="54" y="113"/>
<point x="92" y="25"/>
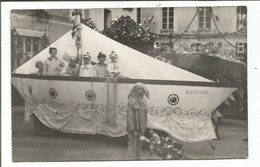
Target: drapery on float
<point x="181" y="103"/>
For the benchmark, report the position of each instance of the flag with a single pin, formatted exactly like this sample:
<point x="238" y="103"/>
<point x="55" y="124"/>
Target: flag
<point x="76" y="20"/>
<point x="240" y="92"/>
<point x="231" y="97"/>
<point x="66" y="57"/>
<point x="227" y="102"/>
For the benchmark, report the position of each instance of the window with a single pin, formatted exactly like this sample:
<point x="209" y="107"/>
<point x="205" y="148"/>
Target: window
<point x="240" y="47"/>
<point x="86" y="13"/>
<point x="27" y="45"/>
<point x="107" y="18"/>
<point x="241" y="17"/>
<point x="35" y="45"/>
<point x="204" y="18"/>
<point x="31" y="45"/>
<point x="219" y="44"/>
<point x="245" y="47"/>
<point x="138" y="15"/>
<point x="167" y="18"/>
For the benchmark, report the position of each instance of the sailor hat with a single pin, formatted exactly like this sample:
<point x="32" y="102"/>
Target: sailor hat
<point x="87" y="55"/>
<point x="113" y="54"/>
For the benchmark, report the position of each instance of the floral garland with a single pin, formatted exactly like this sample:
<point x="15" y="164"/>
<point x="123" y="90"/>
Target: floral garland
<point x="164" y="147"/>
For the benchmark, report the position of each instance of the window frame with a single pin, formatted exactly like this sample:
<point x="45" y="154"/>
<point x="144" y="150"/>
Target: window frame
<point x="32" y="40"/>
<point x="240" y="10"/>
<point x="167" y="20"/>
<point x="204" y="22"/>
<point x="240" y="47"/>
<point x="138" y="15"/>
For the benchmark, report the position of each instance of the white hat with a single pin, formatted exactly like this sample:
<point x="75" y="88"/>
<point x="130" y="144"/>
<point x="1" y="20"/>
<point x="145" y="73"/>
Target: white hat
<point x="87" y="55"/>
<point x="113" y="54"/>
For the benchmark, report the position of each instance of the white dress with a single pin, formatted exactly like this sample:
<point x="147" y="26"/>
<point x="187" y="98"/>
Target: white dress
<point x="113" y="68"/>
<point x="87" y="70"/>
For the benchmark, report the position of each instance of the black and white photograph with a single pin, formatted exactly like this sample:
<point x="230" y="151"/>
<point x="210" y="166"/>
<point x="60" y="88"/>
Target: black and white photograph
<point x="129" y="83"/>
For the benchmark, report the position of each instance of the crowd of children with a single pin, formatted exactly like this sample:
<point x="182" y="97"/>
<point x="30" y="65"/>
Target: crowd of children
<point x="56" y="66"/>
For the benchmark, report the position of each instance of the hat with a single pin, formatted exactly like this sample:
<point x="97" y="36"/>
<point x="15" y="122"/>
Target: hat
<point x="37" y="63"/>
<point x="113" y="54"/>
<point x="73" y="58"/>
<point x="87" y="55"/>
<point x="101" y="55"/>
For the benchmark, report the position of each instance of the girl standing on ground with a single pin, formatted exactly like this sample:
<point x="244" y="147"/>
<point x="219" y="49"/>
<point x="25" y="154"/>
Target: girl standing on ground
<point x="136" y="118"/>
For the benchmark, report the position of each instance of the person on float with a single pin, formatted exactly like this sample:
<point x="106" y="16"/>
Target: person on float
<point x="113" y="68"/>
<point x="72" y="68"/>
<point x="193" y="47"/>
<point x="101" y="67"/>
<point x="39" y="64"/>
<point x="136" y="118"/>
<point x="53" y="65"/>
<point x="87" y="69"/>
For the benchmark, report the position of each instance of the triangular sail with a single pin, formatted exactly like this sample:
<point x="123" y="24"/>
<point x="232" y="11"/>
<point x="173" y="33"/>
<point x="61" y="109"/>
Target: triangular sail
<point x="133" y="64"/>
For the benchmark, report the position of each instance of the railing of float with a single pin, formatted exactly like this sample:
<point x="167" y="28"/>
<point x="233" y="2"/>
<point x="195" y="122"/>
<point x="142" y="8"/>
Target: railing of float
<point x="128" y="80"/>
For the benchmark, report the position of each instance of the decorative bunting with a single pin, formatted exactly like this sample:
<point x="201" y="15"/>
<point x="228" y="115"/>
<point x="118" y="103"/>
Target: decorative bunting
<point x="231" y="97"/>
<point x="240" y="92"/>
<point x="227" y="102"/>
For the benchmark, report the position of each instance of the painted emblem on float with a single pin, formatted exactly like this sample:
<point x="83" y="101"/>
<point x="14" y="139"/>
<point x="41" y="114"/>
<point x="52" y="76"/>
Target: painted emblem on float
<point x="90" y="95"/>
<point x="53" y="93"/>
<point x="173" y="99"/>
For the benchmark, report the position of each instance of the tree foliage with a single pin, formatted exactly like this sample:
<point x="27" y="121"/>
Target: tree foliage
<point x="42" y="15"/>
<point x="126" y="31"/>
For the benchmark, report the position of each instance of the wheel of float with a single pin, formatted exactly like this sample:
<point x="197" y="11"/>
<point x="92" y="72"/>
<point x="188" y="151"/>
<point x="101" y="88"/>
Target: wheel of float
<point x="42" y="129"/>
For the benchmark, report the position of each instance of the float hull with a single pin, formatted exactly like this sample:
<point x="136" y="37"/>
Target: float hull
<point x="99" y="106"/>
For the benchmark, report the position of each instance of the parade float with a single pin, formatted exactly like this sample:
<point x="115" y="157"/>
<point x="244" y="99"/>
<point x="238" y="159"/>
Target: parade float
<point x="181" y="103"/>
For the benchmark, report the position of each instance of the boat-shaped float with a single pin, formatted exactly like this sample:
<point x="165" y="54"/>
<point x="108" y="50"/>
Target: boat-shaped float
<point x="181" y="103"/>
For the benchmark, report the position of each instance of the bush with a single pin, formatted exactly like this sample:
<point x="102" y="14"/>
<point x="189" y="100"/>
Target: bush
<point x="126" y="31"/>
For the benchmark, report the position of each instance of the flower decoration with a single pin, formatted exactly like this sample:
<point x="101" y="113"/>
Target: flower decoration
<point x="164" y="147"/>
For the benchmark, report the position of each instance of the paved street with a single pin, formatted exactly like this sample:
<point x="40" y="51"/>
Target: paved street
<point x="28" y="146"/>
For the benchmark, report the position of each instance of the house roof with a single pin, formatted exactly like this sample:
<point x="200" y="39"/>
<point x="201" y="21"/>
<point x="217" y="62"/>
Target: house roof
<point x="29" y="32"/>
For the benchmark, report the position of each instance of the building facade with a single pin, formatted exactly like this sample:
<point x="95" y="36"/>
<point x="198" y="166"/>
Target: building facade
<point x="229" y="22"/>
<point x="32" y="31"/>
